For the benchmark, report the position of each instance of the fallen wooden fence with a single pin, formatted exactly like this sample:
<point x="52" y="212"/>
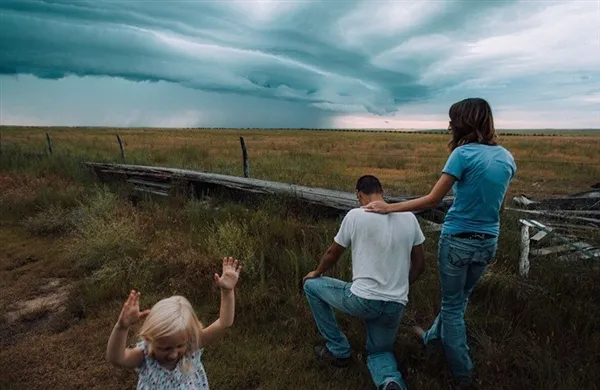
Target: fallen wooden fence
<point x="582" y="210"/>
<point x="161" y="180"/>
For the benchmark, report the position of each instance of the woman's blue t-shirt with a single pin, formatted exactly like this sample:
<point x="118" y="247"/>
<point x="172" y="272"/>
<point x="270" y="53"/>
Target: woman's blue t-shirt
<point x="483" y="173"/>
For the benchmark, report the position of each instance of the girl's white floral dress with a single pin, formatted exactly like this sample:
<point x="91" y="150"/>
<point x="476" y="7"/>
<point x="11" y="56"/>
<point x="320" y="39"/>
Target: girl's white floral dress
<point x="153" y="376"/>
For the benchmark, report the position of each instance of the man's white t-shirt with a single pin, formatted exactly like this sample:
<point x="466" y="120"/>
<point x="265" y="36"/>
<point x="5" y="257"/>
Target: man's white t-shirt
<point x="381" y="247"/>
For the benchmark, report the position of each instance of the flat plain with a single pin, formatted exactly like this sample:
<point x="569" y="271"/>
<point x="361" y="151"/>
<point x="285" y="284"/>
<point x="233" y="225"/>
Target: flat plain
<point x="71" y="248"/>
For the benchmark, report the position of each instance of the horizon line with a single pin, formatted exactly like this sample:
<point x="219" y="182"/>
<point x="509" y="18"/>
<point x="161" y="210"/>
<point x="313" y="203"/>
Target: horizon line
<point x="292" y="128"/>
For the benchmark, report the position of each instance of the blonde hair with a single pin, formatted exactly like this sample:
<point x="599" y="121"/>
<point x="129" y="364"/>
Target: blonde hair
<point x="170" y="316"/>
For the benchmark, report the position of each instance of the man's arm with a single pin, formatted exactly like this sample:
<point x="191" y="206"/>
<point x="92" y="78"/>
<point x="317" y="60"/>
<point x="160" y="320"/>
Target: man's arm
<point x="417" y="263"/>
<point x="329" y="259"/>
<point x="331" y="256"/>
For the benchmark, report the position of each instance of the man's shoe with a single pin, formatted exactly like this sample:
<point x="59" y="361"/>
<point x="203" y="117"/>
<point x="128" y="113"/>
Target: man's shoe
<point x="393" y="386"/>
<point x="325" y="354"/>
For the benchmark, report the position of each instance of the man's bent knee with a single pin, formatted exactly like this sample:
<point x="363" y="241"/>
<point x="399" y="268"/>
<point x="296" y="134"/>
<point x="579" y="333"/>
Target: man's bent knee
<point x="310" y="284"/>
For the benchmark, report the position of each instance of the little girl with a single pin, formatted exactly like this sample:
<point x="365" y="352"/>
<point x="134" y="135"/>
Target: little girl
<point x="168" y="356"/>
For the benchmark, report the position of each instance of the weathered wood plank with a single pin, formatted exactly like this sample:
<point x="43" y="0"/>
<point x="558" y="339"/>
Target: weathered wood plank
<point x="431" y="226"/>
<point x="147" y="183"/>
<point x="556" y="215"/>
<point x="524" y="257"/>
<point x="594" y="255"/>
<point x="582" y="201"/>
<point x="331" y="198"/>
<point x="151" y="191"/>
<point x="561" y="248"/>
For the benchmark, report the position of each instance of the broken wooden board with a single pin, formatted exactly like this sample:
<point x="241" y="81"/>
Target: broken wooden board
<point x="573" y="250"/>
<point x="587" y="200"/>
<point x="558" y="215"/>
<point x="161" y="180"/>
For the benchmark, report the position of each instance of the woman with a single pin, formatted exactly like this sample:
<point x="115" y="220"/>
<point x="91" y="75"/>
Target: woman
<point x="479" y="170"/>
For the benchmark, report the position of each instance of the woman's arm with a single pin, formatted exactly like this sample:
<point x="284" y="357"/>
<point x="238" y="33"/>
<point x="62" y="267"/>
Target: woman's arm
<point x="439" y="190"/>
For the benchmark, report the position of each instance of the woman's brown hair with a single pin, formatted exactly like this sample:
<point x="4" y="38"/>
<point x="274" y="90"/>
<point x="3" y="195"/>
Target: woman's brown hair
<point x="471" y="121"/>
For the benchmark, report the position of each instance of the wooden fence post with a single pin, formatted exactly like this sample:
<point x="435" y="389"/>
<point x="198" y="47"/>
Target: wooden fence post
<point x="121" y="147"/>
<point x="245" y="157"/>
<point x="524" y="258"/>
<point x="50" y="147"/>
<point x="0" y="144"/>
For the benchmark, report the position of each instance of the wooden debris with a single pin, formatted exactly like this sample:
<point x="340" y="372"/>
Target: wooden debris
<point x="557" y="215"/>
<point x="587" y="200"/>
<point x="576" y="250"/>
<point x="567" y="221"/>
<point x="160" y="180"/>
<point x="560" y="248"/>
<point x="524" y="258"/>
<point x="431" y="226"/>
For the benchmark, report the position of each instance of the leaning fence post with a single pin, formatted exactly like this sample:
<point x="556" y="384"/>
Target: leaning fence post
<point x="245" y="157"/>
<point x="50" y="148"/>
<point x="0" y="144"/>
<point x="524" y="258"/>
<point x="121" y="147"/>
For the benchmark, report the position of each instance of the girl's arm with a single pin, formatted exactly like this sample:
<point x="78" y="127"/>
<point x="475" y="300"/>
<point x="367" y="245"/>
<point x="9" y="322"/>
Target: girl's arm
<point x="116" y="351"/>
<point x="215" y="330"/>
<point x="428" y="201"/>
<point x="118" y="354"/>
<point x="227" y="282"/>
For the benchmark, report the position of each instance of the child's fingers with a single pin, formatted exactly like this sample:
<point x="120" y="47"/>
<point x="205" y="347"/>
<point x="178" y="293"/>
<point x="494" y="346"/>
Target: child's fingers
<point x="145" y="313"/>
<point x="130" y="298"/>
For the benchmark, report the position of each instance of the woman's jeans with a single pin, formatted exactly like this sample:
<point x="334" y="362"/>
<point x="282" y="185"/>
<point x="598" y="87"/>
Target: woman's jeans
<point x="381" y="318"/>
<point x="461" y="264"/>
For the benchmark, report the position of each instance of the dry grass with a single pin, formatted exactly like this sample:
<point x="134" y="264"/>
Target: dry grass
<point x="60" y="228"/>
<point x="409" y="163"/>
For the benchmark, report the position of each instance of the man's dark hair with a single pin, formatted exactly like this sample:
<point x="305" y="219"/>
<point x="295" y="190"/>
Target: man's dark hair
<point x="369" y="184"/>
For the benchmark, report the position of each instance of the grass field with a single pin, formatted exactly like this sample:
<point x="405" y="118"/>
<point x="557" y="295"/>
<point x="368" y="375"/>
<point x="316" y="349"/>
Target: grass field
<point x="81" y="246"/>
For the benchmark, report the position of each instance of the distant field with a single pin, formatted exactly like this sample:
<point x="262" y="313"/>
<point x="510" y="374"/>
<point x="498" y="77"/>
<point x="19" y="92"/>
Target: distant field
<point x="407" y="163"/>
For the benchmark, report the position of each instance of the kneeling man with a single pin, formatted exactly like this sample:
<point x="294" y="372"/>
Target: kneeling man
<point x="387" y="256"/>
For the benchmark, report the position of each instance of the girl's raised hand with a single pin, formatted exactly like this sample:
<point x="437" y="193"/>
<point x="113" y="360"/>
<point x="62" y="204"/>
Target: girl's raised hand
<point x="231" y="274"/>
<point x="130" y="314"/>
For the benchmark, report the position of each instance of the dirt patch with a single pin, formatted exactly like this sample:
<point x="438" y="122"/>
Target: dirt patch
<point x="53" y="298"/>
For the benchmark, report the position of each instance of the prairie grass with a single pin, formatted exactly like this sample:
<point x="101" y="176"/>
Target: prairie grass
<point x="408" y="163"/>
<point x="58" y="222"/>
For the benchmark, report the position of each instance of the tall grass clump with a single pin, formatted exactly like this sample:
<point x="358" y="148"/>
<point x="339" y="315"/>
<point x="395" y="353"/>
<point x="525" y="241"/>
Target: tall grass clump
<point x="105" y="232"/>
<point x="106" y="246"/>
<point x="22" y="160"/>
<point x="55" y="220"/>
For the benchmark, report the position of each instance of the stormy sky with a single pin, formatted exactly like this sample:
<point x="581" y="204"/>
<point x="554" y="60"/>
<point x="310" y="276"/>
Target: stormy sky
<point x="302" y="63"/>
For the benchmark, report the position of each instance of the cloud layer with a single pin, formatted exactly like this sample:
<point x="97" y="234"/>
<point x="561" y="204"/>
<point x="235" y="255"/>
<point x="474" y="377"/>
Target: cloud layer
<point x="319" y="63"/>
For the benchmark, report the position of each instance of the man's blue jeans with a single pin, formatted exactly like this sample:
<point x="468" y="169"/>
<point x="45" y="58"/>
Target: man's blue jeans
<point x="461" y="264"/>
<point x="381" y="318"/>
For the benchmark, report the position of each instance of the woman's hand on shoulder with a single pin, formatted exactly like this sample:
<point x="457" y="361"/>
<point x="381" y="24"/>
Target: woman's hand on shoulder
<point x="378" y="206"/>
